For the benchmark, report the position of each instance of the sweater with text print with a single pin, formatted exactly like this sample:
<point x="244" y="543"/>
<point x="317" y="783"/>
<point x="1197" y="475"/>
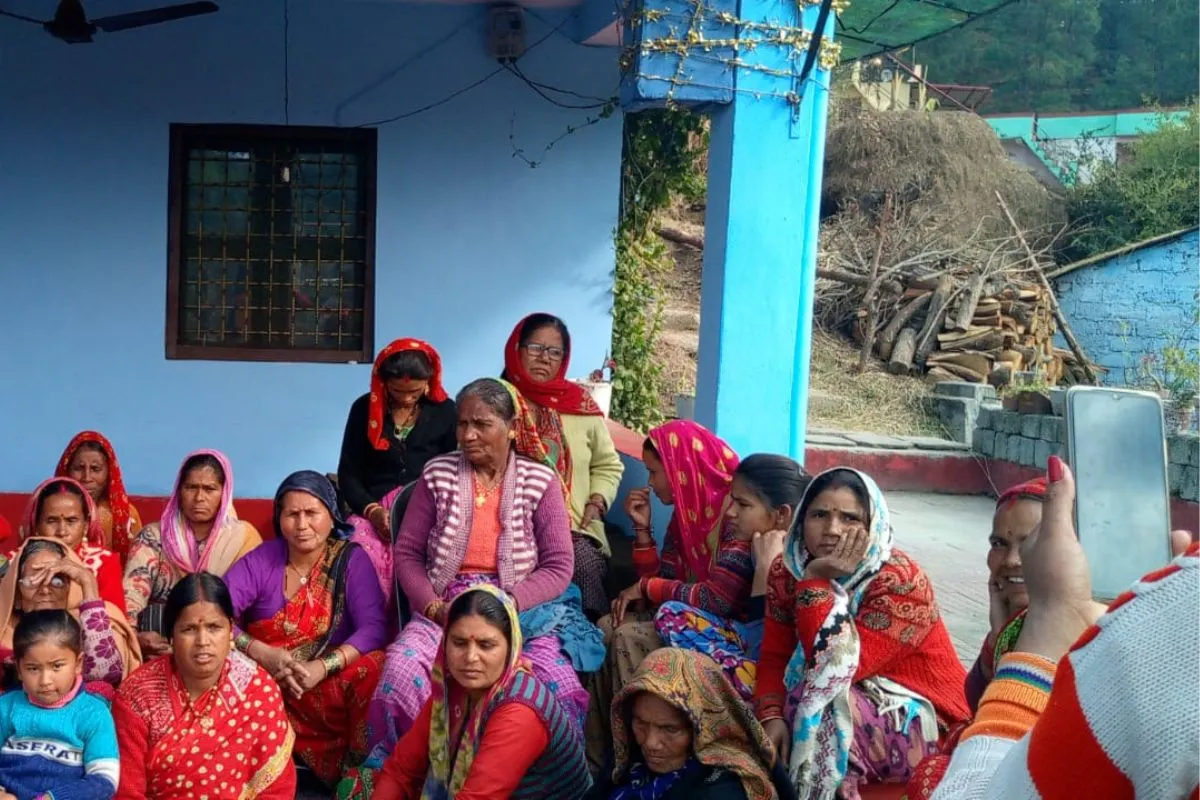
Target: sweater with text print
<point x="68" y="752"/>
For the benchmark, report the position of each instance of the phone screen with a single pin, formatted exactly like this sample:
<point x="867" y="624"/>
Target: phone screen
<point x="1117" y="451"/>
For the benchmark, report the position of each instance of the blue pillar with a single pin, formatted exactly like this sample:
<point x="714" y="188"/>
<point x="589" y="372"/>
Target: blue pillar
<point x="764" y="187"/>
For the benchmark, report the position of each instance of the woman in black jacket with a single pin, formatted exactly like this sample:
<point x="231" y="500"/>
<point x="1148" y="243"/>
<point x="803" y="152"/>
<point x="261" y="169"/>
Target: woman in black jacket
<point x="392" y="430"/>
<point x="682" y="732"/>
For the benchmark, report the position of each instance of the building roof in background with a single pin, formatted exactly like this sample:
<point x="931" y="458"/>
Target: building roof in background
<point x="1074" y="125"/>
<point x="1120" y="251"/>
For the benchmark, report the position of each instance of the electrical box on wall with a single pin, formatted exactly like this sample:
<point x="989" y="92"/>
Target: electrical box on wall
<point x="506" y="32"/>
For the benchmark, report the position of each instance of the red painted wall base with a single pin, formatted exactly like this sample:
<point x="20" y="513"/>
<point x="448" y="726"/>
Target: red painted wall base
<point x="895" y="470"/>
<point x="12" y="506"/>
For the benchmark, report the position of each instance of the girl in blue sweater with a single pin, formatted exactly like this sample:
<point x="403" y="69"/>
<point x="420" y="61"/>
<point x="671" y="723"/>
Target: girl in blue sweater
<point x="56" y="741"/>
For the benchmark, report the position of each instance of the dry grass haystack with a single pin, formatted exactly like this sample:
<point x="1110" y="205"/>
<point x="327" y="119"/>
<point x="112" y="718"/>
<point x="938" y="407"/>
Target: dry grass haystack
<point x="932" y="160"/>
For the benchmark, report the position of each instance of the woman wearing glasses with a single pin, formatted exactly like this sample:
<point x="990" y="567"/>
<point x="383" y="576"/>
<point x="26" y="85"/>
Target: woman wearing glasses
<point x="572" y="427"/>
<point x="45" y="575"/>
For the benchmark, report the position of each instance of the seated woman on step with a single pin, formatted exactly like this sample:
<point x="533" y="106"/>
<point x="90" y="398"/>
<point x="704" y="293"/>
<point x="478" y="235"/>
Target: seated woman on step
<point x="198" y="532"/>
<point x="490" y="729"/>
<point x="391" y="432"/>
<point x="1018" y="514"/>
<point x="764" y="495"/>
<point x="573" y="428"/>
<point x="494" y="513"/>
<point x="681" y="732"/>
<point x="858" y="679"/>
<point x="203" y="721"/>
<point x="309" y="612"/>
<point x="91" y="460"/>
<point x="60" y="508"/>
<point x="704" y="563"/>
<point x="46" y="575"/>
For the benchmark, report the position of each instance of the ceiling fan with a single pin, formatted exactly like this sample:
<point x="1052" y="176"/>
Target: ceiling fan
<point x="71" y="25"/>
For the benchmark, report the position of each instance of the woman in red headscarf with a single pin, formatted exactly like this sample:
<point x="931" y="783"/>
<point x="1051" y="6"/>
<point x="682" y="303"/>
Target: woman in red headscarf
<point x="572" y="427"/>
<point x="60" y="508"/>
<point x="91" y="460"/>
<point x="392" y="430"/>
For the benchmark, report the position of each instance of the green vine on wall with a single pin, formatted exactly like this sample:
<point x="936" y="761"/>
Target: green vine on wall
<point x="660" y="161"/>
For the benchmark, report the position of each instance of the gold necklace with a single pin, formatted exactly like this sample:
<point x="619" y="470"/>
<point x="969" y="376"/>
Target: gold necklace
<point x="483" y="492"/>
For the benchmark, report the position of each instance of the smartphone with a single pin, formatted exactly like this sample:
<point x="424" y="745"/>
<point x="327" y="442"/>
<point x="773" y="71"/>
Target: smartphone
<point x="1117" y="450"/>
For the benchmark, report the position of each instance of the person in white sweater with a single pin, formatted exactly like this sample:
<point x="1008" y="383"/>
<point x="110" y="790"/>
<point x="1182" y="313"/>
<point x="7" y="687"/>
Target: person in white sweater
<point x="1123" y="717"/>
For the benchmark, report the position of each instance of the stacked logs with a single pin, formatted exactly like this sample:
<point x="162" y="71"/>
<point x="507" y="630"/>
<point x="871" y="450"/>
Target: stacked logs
<point x="962" y="329"/>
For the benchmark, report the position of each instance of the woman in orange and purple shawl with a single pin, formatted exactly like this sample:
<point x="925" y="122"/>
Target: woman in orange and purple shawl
<point x="90" y="459"/>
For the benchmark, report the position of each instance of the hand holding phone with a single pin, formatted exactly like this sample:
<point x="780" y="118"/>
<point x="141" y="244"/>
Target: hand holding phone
<point x="1116" y="447"/>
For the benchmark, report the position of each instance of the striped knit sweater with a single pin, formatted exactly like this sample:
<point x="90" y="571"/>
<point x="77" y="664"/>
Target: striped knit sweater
<point x="1122" y="721"/>
<point x="561" y="770"/>
<point x="726" y="590"/>
<point x="535" y="556"/>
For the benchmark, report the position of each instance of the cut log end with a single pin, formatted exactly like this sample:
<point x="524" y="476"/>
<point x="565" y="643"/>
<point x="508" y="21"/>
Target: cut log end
<point x="901" y="361"/>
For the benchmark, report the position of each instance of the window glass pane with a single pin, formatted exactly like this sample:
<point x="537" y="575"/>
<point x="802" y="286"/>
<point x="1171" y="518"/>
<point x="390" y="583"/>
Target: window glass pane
<point x="272" y="252"/>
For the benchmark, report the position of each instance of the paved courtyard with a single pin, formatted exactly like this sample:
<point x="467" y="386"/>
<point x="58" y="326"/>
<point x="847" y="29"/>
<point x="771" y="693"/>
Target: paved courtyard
<point x="947" y="535"/>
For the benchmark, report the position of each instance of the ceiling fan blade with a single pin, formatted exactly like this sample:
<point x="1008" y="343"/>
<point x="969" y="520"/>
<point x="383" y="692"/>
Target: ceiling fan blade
<point x="10" y="14"/>
<point x="153" y="16"/>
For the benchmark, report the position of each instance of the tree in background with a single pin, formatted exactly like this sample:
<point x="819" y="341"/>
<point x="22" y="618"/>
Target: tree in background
<point x="1074" y="55"/>
<point x="1146" y="51"/>
<point x="1152" y="193"/>
<point x="1036" y="55"/>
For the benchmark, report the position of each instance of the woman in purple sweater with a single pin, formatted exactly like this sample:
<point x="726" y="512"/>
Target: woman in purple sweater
<point x="492" y="512"/>
<point x="310" y="611"/>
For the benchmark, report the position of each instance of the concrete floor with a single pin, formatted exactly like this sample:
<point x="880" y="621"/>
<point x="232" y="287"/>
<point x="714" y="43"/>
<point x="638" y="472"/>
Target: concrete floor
<point x="947" y="535"/>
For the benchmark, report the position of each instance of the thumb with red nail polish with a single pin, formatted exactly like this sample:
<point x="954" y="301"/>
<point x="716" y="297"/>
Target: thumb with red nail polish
<point x="1055" y="468"/>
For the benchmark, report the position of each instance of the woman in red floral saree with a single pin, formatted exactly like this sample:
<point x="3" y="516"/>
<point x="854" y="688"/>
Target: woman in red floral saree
<point x="203" y="721"/>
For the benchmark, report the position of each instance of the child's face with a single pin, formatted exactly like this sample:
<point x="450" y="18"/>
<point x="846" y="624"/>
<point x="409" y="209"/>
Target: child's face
<point x="48" y="671"/>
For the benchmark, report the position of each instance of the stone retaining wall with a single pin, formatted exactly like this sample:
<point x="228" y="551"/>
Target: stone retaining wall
<point x="973" y="414"/>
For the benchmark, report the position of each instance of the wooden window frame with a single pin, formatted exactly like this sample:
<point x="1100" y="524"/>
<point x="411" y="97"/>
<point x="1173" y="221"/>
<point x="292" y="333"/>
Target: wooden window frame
<point x="181" y="134"/>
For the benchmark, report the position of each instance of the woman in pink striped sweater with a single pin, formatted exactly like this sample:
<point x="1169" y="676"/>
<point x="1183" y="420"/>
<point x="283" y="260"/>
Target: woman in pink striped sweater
<point x="488" y="513"/>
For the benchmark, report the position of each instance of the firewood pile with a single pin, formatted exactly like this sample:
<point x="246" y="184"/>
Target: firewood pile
<point x="966" y="328"/>
<point x="975" y="309"/>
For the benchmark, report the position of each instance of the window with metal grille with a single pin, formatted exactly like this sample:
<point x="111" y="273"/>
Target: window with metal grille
<point x="271" y="243"/>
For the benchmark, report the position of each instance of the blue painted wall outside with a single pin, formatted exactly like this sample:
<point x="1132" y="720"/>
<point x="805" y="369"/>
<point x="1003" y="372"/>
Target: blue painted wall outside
<point x="469" y="237"/>
<point x="1134" y="304"/>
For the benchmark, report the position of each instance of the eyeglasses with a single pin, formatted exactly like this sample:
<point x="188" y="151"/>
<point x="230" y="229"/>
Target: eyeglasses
<point x="56" y="582"/>
<point x="552" y="353"/>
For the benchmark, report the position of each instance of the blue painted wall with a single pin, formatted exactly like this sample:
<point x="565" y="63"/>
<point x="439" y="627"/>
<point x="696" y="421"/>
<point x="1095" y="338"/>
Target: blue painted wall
<point x="1134" y="304"/>
<point x="469" y="237"/>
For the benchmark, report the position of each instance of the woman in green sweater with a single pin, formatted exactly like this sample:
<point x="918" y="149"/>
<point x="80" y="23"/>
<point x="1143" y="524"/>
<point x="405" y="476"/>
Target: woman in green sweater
<point x="573" y="428"/>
